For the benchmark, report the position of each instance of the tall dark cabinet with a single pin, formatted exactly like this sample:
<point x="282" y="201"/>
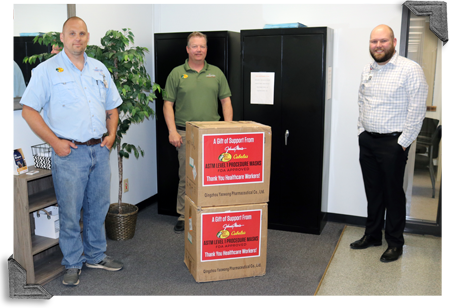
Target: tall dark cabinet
<point x="170" y="51"/>
<point x="301" y="60"/>
<point x="24" y="47"/>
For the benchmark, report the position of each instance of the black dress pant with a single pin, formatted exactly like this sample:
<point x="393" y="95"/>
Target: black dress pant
<point x="383" y="163"/>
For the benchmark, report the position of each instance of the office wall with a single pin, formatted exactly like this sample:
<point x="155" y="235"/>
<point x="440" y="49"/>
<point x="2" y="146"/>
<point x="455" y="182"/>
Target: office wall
<point x="50" y="18"/>
<point x="352" y="25"/>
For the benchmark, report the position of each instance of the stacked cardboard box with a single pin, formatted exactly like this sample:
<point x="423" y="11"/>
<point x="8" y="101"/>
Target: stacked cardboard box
<point x="227" y="190"/>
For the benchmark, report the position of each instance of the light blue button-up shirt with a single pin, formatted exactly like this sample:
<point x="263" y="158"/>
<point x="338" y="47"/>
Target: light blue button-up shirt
<point x="19" y="83"/>
<point x="74" y="102"/>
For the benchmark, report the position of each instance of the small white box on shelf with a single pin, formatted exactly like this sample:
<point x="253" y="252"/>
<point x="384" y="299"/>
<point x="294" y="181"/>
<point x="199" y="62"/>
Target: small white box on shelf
<point x="47" y="222"/>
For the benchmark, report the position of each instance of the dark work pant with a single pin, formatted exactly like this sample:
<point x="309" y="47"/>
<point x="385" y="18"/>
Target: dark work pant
<point x="383" y="163"/>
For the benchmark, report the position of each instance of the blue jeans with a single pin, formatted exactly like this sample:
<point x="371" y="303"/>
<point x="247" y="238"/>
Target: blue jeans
<point x="82" y="181"/>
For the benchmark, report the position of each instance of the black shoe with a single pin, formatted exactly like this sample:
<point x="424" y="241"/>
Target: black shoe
<point x="179" y="226"/>
<point x="392" y="254"/>
<point x="365" y="242"/>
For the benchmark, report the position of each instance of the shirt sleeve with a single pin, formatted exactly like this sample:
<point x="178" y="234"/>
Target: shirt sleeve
<point x="224" y="89"/>
<point x="19" y="83"/>
<point x="417" y="90"/>
<point x="113" y="98"/>
<point x="360" y="128"/>
<point x="37" y="94"/>
<point x="171" y="87"/>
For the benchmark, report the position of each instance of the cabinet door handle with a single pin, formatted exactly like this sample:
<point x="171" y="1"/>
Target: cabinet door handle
<point x="286" y="136"/>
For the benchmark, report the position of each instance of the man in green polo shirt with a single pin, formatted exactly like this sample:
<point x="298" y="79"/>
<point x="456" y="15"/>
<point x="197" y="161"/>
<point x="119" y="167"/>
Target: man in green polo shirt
<point x="195" y="87"/>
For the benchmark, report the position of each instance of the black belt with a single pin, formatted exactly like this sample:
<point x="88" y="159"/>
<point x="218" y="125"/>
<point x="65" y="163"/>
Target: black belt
<point x="378" y="135"/>
<point x="88" y="142"/>
<point x="180" y="127"/>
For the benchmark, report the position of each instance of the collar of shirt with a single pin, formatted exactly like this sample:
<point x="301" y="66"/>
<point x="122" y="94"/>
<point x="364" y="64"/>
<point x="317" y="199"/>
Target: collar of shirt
<point x="393" y="61"/>
<point x="68" y="61"/>
<point x="187" y="67"/>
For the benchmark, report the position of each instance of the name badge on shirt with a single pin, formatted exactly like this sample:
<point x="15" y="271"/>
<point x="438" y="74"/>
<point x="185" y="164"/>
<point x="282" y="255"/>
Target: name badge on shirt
<point x="100" y="71"/>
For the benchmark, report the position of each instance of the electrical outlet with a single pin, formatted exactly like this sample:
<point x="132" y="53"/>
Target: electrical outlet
<point x="126" y="185"/>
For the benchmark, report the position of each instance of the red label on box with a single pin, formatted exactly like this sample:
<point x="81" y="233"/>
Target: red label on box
<point x="233" y="158"/>
<point x="231" y="235"/>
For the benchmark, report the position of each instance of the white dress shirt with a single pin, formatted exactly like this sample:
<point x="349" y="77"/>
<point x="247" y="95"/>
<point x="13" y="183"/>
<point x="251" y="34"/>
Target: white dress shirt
<point x="392" y="98"/>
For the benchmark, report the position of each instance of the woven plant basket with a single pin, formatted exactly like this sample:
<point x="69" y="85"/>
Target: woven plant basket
<point x="121" y="227"/>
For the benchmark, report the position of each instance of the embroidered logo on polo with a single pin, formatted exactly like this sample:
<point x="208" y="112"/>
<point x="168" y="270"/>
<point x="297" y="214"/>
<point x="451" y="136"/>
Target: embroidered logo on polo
<point x="59" y="69"/>
<point x="210" y="76"/>
<point x="184" y="76"/>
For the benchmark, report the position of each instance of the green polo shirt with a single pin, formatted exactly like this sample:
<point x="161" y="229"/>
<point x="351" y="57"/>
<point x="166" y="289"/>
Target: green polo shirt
<point x="196" y="94"/>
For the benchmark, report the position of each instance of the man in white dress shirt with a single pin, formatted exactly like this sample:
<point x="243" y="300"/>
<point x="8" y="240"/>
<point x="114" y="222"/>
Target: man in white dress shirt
<point x="392" y="104"/>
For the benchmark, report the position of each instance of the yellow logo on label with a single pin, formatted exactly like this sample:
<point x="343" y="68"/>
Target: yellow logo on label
<point x="223" y="234"/>
<point x="59" y="69"/>
<point x="240" y="156"/>
<point x="184" y="76"/>
<point x="225" y="157"/>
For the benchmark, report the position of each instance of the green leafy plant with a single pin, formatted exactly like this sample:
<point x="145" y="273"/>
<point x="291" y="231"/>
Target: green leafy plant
<point x="126" y="65"/>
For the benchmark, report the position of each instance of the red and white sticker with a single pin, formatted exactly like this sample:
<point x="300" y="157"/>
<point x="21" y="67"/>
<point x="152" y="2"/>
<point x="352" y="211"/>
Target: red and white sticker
<point x="231" y="235"/>
<point x="233" y="158"/>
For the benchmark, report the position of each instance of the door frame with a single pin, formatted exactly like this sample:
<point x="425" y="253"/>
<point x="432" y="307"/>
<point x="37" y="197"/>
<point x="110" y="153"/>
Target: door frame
<point x="415" y="226"/>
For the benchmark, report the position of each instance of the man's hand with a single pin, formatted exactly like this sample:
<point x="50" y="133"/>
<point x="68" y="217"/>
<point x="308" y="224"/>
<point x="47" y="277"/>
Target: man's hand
<point x="63" y="147"/>
<point x="108" y="141"/>
<point x="112" y="118"/>
<point x="175" y="139"/>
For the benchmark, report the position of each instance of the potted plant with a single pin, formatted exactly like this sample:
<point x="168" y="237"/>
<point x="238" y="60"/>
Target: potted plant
<point x="126" y="65"/>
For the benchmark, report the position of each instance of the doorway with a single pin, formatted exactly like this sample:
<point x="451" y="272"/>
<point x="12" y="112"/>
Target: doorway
<point x="423" y="171"/>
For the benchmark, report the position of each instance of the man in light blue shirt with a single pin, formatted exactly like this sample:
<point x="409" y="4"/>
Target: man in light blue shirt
<point x="19" y="83"/>
<point x="79" y="101"/>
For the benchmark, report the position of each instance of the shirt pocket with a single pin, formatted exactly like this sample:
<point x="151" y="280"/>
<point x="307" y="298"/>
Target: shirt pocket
<point x="64" y="86"/>
<point x="99" y="81"/>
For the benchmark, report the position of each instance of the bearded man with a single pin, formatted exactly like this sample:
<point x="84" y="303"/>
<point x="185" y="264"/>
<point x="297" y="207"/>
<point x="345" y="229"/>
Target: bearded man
<point x="392" y="104"/>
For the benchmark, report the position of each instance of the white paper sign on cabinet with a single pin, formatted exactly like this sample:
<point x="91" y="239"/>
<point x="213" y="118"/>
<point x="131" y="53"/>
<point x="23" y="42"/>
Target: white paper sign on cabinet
<point x="262" y="88"/>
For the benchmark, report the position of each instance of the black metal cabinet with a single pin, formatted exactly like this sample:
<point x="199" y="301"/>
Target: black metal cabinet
<point x="24" y="47"/>
<point x="170" y="51"/>
<point x="301" y="60"/>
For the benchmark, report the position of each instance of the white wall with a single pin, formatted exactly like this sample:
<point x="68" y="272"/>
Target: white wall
<point x="50" y="18"/>
<point x="352" y="25"/>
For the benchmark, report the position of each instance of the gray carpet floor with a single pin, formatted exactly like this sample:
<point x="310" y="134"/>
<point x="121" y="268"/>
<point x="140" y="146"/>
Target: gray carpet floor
<point x="153" y="264"/>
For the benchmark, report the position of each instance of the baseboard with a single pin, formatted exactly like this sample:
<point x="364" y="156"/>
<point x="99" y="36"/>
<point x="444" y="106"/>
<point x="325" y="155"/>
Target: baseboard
<point x="149" y="201"/>
<point x="347" y="219"/>
<point x="416" y="227"/>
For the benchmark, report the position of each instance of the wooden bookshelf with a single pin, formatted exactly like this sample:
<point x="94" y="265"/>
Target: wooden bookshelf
<point x="40" y="256"/>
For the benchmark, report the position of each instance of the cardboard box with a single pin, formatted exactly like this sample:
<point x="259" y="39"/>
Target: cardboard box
<point x="225" y="242"/>
<point x="228" y="162"/>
